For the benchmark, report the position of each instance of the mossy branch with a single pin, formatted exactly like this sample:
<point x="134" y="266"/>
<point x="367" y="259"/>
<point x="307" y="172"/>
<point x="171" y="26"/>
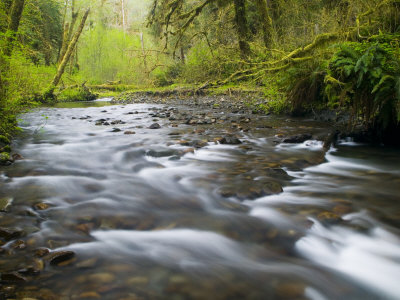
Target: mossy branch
<point x="370" y="12"/>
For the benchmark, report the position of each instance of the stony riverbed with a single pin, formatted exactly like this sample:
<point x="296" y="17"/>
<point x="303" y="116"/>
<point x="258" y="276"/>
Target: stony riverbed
<point x="195" y="198"/>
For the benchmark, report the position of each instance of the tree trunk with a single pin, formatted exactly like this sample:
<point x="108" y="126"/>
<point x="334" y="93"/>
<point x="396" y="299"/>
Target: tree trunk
<point x="143" y="52"/>
<point x="123" y="15"/>
<point x="68" y="30"/>
<point x="241" y="27"/>
<point x="17" y="8"/>
<point x="266" y="22"/>
<point x="71" y="47"/>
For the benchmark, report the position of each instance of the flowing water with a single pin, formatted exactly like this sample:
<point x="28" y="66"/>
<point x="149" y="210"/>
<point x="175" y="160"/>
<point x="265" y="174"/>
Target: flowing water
<point x="149" y="217"/>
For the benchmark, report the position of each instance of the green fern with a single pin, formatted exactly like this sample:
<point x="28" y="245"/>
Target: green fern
<point x="369" y="79"/>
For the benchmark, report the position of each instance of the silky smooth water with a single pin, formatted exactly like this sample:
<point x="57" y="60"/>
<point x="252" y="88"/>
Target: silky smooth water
<point x="145" y="217"/>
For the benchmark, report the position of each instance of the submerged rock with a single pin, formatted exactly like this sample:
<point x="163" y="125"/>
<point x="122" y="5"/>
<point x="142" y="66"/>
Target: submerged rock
<point x="128" y="132"/>
<point x="297" y="139"/>
<point x="12" y="277"/>
<point x="9" y="233"/>
<point x="41" y="206"/>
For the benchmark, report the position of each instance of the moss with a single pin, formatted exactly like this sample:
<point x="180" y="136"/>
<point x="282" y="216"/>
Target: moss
<point x="4" y="157"/>
<point x="4" y="141"/>
<point x="81" y="93"/>
<point x="6" y="149"/>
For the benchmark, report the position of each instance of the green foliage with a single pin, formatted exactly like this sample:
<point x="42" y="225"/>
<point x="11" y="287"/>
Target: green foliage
<point x="108" y="54"/>
<point x="81" y="93"/>
<point x="26" y="78"/>
<point x="366" y="77"/>
<point x="40" y="30"/>
<point x="304" y="85"/>
<point x="205" y="64"/>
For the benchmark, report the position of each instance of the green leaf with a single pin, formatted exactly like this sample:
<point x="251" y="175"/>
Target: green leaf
<point x="383" y="80"/>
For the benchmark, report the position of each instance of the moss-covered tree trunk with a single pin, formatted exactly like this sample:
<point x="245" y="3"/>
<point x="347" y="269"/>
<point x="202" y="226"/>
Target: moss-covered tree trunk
<point x="68" y="31"/>
<point x="242" y="27"/>
<point x="266" y="20"/>
<point x="70" y="49"/>
<point x="16" y="10"/>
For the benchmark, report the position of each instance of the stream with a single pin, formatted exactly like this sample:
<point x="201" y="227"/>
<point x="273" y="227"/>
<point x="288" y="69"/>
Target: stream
<point x="105" y="204"/>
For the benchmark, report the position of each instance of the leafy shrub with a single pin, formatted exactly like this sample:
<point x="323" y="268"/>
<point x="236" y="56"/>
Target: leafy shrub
<point x="203" y="64"/>
<point x="366" y="77"/>
<point x="168" y="75"/>
<point x="304" y="85"/>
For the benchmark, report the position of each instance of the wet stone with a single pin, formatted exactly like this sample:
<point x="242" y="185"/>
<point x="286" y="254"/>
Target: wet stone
<point x="101" y="278"/>
<point x="41" y="206"/>
<point x="5" y="203"/>
<point x="329" y="217"/>
<point x="290" y="290"/>
<point x="297" y="139"/>
<point x="40" y="252"/>
<point x="12" y="277"/>
<point x="89" y="295"/>
<point x="9" y="233"/>
<point x="115" y="130"/>
<point x="17" y="156"/>
<point x="229" y="140"/>
<point x="87" y="264"/>
<point x="155" y="126"/>
<point x="162" y="153"/>
<point x="59" y="258"/>
<point x="128" y="132"/>
<point x="19" y="244"/>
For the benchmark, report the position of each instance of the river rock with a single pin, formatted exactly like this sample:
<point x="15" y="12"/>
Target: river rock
<point x="229" y="140"/>
<point x="89" y="295"/>
<point x="298" y="139"/>
<point x="329" y="217"/>
<point x="40" y="252"/>
<point x="102" y="278"/>
<point x="12" y="277"/>
<point x="5" y="203"/>
<point x="60" y="258"/>
<point x="115" y="130"/>
<point x="86" y="264"/>
<point x="17" y="156"/>
<point x="128" y="132"/>
<point x="9" y="233"/>
<point x="198" y="143"/>
<point x="290" y="290"/>
<point x="41" y="206"/>
<point x="155" y="126"/>
<point x="162" y="153"/>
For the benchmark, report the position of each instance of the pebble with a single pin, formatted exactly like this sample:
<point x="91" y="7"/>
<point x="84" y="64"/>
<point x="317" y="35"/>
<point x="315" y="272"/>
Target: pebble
<point x="89" y="295"/>
<point x="102" y="278"/>
<point x="41" y="206"/>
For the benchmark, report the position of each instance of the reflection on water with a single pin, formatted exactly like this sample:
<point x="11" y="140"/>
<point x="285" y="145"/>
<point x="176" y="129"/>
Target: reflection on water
<point x="150" y="217"/>
<point x="82" y="104"/>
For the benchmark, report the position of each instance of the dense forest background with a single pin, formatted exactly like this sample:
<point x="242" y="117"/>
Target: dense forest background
<point x="303" y="55"/>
